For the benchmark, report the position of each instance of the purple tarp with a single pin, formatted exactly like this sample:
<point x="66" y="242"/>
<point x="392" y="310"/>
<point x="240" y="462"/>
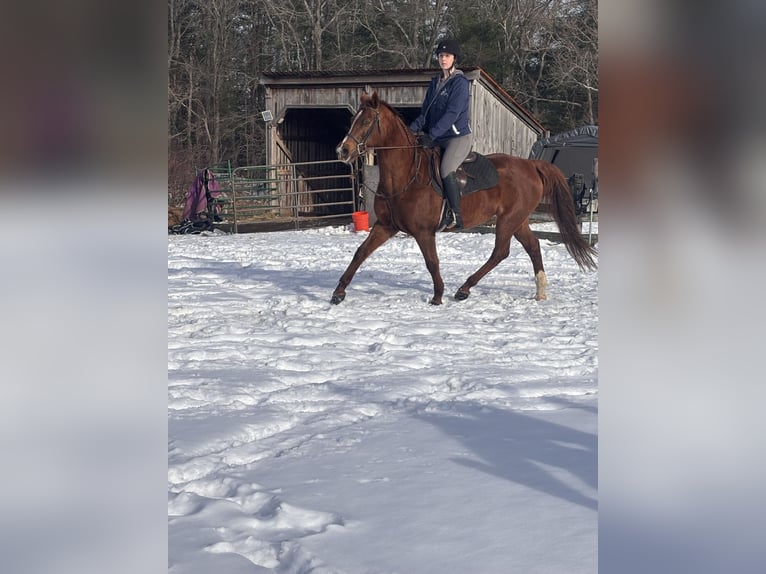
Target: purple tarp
<point x="196" y="198"/>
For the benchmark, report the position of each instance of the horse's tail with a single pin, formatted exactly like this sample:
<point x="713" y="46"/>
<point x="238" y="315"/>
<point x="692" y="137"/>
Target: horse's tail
<point x="556" y="190"/>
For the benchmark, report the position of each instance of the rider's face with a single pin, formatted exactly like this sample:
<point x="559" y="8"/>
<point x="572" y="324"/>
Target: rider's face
<point x="446" y="61"/>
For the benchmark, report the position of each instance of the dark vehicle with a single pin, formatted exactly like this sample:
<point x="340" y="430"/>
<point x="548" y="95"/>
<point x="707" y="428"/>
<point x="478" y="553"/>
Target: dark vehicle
<point x="576" y="154"/>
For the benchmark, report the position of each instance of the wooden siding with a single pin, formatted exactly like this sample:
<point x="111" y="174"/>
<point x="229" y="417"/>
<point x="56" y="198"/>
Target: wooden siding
<point x="496" y="129"/>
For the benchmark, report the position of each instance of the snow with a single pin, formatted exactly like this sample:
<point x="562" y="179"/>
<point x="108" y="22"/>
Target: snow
<point x="381" y="435"/>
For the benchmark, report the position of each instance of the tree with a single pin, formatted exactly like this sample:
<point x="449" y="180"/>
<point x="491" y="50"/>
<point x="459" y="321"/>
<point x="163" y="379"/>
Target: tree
<point x="303" y="26"/>
<point x="205" y="81"/>
<point x="403" y="33"/>
<point x="575" y="68"/>
<point x="526" y="46"/>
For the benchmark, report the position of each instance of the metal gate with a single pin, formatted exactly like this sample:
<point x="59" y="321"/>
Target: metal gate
<point x="301" y="194"/>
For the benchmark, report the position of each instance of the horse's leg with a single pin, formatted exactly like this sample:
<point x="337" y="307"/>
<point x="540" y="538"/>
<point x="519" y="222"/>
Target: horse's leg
<point x="531" y="245"/>
<point x="504" y="230"/>
<point x="427" y="243"/>
<point x="377" y="237"/>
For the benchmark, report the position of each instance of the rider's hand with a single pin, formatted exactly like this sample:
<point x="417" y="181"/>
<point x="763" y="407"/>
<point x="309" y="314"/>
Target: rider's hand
<point x="425" y="140"/>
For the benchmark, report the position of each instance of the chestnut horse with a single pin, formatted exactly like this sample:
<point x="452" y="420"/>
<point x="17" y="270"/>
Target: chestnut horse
<point x="406" y="201"/>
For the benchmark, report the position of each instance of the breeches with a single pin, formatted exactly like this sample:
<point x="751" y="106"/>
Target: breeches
<point x="456" y="150"/>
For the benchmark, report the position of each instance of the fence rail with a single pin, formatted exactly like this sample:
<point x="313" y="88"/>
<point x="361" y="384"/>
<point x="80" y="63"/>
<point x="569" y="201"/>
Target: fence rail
<point x="301" y="193"/>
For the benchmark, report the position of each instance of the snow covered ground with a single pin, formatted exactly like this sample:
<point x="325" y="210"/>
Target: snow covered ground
<point x="382" y="435"/>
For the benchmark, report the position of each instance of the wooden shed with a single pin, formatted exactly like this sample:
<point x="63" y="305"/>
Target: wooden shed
<point x="311" y="111"/>
<point x="308" y="113"/>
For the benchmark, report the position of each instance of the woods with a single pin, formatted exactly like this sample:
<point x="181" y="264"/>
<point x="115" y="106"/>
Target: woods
<point x="542" y="52"/>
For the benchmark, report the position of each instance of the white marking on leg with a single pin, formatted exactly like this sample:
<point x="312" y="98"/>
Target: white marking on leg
<point x="542" y="282"/>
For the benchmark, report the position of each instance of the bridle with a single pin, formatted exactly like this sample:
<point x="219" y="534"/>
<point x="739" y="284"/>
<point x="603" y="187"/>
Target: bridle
<point x="361" y="145"/>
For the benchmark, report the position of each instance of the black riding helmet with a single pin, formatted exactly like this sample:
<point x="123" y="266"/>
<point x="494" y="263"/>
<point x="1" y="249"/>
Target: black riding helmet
<point x="448" y="45"/>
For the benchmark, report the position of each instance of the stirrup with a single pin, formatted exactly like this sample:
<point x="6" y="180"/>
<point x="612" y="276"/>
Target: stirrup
<point x="448" y="220"/>
<point x="452" y="220"/>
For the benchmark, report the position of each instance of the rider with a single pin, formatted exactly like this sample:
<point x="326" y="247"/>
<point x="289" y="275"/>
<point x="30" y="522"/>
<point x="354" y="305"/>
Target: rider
<point x="443" y="121"/>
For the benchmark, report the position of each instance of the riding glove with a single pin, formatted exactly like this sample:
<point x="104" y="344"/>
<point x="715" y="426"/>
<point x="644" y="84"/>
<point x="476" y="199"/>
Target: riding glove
<point x="425" y="140"/>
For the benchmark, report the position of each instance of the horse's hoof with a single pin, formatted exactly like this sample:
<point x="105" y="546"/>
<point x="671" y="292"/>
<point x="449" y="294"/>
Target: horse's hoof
<point x="461" y="295"/>
<point x="435" y="302"/>
<point x="337" y="298"/>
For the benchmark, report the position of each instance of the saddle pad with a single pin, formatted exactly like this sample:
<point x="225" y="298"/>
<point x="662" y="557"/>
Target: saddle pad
<point x="476" y="173"/>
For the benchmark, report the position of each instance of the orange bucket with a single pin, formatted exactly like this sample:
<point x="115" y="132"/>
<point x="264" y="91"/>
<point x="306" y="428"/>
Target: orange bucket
<point x="361" y="220"/>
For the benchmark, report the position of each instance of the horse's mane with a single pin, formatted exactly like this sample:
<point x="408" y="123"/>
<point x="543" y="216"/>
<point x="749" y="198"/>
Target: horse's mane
<point x="394" y="111"/>
<point x="398" y="117"/>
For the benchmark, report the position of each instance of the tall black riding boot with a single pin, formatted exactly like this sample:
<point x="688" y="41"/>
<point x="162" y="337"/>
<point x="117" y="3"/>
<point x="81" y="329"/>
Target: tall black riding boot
<point x="453" y="197"/>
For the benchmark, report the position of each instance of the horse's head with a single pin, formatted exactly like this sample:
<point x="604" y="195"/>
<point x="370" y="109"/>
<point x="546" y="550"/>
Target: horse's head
<point x="364" y="130"/>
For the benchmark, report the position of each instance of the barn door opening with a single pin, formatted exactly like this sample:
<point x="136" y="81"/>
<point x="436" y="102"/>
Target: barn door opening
<point x="310" y="136"/>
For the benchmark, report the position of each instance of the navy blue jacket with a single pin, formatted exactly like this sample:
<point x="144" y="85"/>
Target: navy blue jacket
<point x="445" y="114"/>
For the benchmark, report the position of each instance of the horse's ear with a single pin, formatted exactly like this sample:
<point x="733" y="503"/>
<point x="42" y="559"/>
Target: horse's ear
<point x="364" y="98"/>
<point x="374" y="101"/>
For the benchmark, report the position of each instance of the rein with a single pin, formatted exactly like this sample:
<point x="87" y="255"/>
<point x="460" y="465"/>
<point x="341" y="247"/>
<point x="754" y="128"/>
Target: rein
<point x="415" y="162"/>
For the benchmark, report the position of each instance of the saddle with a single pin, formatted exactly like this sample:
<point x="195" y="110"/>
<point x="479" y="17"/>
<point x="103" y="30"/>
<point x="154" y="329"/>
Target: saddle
<point x="475" y="173"/>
